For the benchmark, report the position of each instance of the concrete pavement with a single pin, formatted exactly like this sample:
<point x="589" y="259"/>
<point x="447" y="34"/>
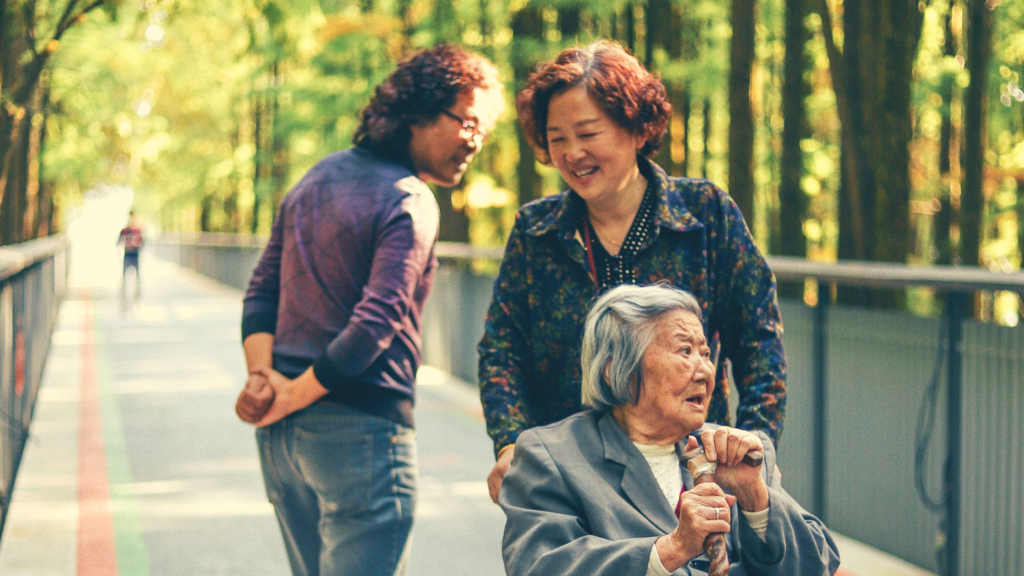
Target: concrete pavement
<point x="137" y="465"/>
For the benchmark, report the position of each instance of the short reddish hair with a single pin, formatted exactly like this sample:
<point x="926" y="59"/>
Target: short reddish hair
<point x="621" y="86"/>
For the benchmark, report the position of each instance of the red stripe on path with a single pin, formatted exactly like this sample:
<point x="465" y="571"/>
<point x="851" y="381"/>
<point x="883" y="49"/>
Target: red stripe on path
<point x="842" y="572"/>
<point x="96" y="553"/>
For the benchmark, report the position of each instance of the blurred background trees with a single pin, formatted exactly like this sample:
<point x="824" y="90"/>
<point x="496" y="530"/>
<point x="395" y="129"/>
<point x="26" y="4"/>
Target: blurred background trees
<point x="888" y="130"/>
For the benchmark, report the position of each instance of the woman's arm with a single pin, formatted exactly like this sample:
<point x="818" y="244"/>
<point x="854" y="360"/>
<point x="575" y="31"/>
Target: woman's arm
<point x="750" y="322"/>
<point x="504" y="346"/>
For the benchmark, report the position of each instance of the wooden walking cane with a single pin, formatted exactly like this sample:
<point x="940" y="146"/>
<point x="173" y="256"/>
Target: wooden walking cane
<point x="703" y="471"/>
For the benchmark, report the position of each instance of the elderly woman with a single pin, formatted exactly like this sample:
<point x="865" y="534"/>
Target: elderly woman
<point x="594" y="494"/>
<point x="598" y="115"/>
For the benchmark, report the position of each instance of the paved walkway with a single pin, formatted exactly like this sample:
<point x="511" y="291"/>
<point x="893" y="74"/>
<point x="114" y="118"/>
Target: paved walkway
<point x="137" y="465"/>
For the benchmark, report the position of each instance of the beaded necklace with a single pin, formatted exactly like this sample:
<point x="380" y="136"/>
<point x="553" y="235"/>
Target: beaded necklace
<point x="608" y="271"/>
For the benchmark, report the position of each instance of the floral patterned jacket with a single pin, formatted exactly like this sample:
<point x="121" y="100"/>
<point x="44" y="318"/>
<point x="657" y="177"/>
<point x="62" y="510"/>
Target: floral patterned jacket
<point x="530" y="352"/>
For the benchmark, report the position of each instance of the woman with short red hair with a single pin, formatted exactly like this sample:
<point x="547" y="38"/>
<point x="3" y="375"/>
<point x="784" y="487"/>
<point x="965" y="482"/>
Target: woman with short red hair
<point x="598" y="116"/>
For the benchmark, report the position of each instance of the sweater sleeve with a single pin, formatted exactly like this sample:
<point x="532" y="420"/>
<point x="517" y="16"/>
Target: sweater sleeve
<point x="259" y="310"/>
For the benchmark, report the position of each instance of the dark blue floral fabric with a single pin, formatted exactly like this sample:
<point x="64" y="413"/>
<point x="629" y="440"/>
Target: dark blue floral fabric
<point x="530" y="352"/>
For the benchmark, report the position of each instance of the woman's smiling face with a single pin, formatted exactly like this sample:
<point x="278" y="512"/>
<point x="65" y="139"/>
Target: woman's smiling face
<point x="595" y="155"/>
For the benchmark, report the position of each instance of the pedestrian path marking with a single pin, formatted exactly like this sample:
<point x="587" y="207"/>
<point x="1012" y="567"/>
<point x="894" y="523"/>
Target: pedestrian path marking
<point x="110" y="533"/>
<point x="96" y="553"/>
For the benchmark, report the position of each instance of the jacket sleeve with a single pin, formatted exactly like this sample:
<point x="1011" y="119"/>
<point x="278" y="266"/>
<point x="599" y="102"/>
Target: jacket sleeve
<point x="503" y="350"/>
<point x="545" y="533"/>
<point x="403" y="253"/>
<point x="796" y="542"/>
<point x="751" y="324"/>
<point x="259" y="310"/>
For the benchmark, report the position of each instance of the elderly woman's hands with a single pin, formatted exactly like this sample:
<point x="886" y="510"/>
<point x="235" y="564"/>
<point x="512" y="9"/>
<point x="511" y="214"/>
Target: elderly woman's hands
<point x="703" y="510"/>
<point x="727" y="446"/>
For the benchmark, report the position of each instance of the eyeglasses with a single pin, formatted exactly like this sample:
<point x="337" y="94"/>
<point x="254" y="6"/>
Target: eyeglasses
<point x="470" y="128"/>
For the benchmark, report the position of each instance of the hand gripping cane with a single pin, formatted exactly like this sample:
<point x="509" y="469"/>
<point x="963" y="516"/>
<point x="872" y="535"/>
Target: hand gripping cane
<point x="703" y="471"/>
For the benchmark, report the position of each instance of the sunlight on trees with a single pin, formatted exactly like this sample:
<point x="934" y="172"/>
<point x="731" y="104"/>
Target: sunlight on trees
<point x="211" y="111"/>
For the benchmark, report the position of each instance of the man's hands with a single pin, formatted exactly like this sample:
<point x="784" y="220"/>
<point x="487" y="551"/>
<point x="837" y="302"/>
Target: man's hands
<point x="255" y="399"/>
<point x="498" y="472"/>
<point x="285" y="396"/>
<point x="279" y="397"/>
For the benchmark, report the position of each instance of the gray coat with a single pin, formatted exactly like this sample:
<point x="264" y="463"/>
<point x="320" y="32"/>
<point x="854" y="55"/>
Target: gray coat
<point x="581" y="499"/>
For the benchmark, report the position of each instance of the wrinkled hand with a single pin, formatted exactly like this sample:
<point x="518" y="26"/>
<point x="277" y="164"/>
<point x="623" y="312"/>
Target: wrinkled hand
<point x="697" y="519"/>
<point x="497" y="474"/>
<point x="255" y="399"/>
<point x="727" y="446"/>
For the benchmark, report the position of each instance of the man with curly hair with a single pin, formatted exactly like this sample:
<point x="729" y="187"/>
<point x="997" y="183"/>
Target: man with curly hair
<point x="331" y="323"/>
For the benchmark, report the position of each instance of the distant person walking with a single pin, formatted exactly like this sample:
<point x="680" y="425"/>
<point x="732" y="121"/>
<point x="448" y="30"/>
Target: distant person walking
<point x="131" y="238"/>
<point x="331" y="323"/>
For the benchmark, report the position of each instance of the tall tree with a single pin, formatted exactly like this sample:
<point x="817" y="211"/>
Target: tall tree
<point x="792" y="200"/>
<point x="28" y="38"/>
<point x="944" y="218"/>
<point x="741" y="115"/>
<point x="1020" y="220"/>
<point x="979" y="51"/>
<point x="665" y="25"/>
<point x="528" y="31"/>
<point x="871" y="77"/>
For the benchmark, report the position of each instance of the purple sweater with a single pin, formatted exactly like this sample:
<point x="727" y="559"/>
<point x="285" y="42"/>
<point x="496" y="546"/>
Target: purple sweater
<point x="343" y="280"/>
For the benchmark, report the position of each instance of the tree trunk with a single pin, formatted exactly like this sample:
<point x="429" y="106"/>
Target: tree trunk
<point x="409" y="26"/>
<point x="34" y="193"/>
<point x="280" y="159"/>
<point x="944" y="218"/>
<point x="664" y="32"/>
<point x="741" y="116"/>
<point x="979" y="51"/>
<point x="206" y="213"/>
<point x="43" y="224"/>
<point x="1020" y="224"/>
<point x="569" y="23"/>
<point x="260" y="177"/>
<point x="445" y="22"/>
<point x="706" y="154"/>
<point x="21" y="67"/>
<point x="872" y="80"/>
<point x="792" y="200"/>
<point x="685" y="112"/>
<point x="659" y="33"/>
<point x="15" y="203"/>
<point x="454" y="224"/>
<point x="528" y="30"/>
<point x="630" y="28"/>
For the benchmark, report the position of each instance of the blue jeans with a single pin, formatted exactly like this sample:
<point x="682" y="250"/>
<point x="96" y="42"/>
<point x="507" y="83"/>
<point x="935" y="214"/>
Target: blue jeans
<point x="343" y="485"/>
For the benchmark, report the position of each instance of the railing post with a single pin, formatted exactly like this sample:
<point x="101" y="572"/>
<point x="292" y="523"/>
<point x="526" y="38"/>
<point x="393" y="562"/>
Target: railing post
<point x="956" y="309"/>
<point x="820" y="355"/>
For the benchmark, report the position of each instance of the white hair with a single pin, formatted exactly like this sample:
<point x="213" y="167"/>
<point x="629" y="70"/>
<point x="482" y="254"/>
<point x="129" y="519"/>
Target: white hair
<point x="619" y="329"/>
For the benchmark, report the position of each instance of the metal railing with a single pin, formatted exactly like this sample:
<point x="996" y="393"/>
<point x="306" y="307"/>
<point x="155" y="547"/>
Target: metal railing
<point x="860" y="384"/>
<point x="959" y="284"/>
<point x="33" y="279"/>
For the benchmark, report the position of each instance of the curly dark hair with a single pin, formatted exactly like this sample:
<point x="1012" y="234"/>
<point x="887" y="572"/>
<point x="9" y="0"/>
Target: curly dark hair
<point x="422" y="86"/>
<point x="613" y="77"/>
